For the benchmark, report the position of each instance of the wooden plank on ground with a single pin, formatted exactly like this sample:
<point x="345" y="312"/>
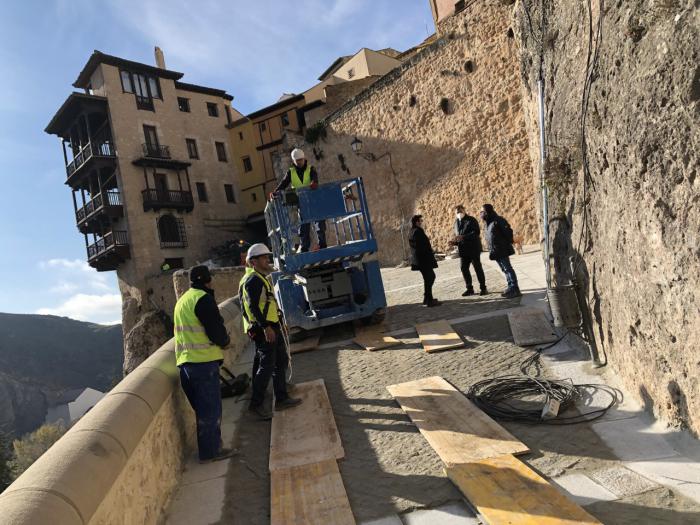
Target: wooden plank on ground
<point x="373" y="338"/>
<point x="457" y="430"/>
<point x="306" y="433"/>
<point x="310" y="343"/>
<point x="309" y="494"/>
<point x="530" y="327"/>
<point x="506" y="491"/>
<point x="438" y="335"/>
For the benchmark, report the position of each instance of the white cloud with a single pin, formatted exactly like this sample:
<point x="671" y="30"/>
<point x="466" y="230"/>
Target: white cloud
<point x="102" y="309"/>
<point x="76" y="274"/>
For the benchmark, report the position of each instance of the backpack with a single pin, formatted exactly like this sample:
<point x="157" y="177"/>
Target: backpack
<point x="233" y="385"/>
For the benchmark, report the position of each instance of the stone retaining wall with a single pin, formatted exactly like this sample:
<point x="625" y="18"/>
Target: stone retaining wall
<point x="122" y="461"/>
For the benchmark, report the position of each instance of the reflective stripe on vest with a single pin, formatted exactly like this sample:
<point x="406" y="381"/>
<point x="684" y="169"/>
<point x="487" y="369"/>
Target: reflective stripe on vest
<point x="248" y="317"/>
<point x="298" y="183"/>
<point x="191" y="342"/>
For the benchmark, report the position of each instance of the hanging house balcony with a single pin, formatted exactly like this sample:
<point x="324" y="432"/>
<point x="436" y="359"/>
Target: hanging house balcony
<point x="99" y="211"/>
<point x="99" y="152"/>
<point x="109" y="252"/>
<point x="169" y="199"/>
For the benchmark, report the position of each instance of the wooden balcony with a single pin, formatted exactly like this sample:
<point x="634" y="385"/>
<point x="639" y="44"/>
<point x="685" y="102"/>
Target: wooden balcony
<point x="109" y="252"/>
<point x="174" y="200"/>
<point x="155" y="151"/>
<point x="100" y="149"/>
<point x="99" y="211"/>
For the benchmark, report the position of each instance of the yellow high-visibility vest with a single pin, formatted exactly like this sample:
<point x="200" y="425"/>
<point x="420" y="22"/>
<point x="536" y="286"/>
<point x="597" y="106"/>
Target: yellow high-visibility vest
<point x="303" y="182"/>
<point x="265" y="298"/>
<point x="191" y="342"/>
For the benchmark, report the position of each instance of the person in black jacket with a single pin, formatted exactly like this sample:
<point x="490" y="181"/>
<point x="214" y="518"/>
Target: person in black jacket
<point x="468" y="241"/>
<point x="423" y="259"/>
<point x="499" y="237"/>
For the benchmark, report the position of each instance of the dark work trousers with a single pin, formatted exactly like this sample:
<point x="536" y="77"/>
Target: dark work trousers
<point x="305" y="234"/>
<point x="272" y="363"/>
<point x="473" y="259"/>
<point x="509" y="272"/>
<point x="428" y="280"/>
<point x="200" y="381"/>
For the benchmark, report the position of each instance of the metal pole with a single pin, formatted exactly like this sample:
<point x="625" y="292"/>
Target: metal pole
<point x="543" y="185"/>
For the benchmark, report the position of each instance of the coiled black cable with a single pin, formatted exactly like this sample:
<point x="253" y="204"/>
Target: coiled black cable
<point x="523" y="397"/>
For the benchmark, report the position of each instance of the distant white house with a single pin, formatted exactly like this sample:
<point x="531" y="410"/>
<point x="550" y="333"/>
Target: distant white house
<point x="73" y="405"/>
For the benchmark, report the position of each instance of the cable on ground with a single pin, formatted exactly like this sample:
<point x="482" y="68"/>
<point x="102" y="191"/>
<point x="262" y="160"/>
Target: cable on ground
<point x="523" y="397"/>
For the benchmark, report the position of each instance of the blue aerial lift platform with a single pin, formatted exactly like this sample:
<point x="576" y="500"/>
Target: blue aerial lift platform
<point x="333" y="285"/>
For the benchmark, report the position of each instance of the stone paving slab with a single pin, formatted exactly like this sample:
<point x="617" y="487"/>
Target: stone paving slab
<point x="582" y="490"/>
<point x="622" y="482"/>
<point x="388" y="520"/>
<point x="634" y="439"/>
<point x="450" y="514"/>
<point x="198" y="503"/>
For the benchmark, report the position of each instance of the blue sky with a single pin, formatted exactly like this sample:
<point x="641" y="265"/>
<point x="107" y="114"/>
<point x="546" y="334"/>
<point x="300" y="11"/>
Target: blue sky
<point x="256" y="50"/>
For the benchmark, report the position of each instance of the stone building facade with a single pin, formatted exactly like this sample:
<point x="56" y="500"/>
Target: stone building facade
<point x="444" y="128"/>
<point x="623" y="177"/>
<point x="154" y="184"/>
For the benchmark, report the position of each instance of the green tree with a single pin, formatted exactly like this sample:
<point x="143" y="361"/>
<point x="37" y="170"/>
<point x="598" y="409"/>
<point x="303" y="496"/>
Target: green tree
<point x="5" y="457"/>
<point x="28" y="449"/>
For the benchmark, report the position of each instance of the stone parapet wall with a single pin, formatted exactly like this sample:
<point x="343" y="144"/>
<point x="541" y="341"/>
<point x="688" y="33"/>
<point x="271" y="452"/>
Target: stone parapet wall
<point x="629" y="224"/>
<point x="121" y="462"/>
<point x="446" y="128"/>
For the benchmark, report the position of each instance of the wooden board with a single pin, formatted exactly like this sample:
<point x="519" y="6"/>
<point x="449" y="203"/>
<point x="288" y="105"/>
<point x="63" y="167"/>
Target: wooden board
<point x="306" y="433"/>
<point x="506" y="491"/>
<point x="310" y="343"/>
<point x="457" y="430"/>
<point x="373" y="338"/>
<point x="438" y="335"/>
<point x="309" y="494"/>
<point x="530" y="327"/>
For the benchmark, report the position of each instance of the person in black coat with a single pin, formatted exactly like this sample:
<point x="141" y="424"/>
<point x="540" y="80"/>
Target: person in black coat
<point x="423" y="259"/>
<point x="468" y="242"/>
<point x="499" y="237"/>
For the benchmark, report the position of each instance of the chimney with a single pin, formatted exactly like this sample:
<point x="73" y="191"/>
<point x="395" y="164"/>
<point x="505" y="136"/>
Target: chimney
<point x="160" y="59"/>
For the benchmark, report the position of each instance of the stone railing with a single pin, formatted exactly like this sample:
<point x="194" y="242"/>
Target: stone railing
<point x="122" y="461"/>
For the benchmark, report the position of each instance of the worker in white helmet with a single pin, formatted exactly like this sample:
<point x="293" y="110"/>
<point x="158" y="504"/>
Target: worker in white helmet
<point x="301" y="175"/>
<point x="261" y="321"/>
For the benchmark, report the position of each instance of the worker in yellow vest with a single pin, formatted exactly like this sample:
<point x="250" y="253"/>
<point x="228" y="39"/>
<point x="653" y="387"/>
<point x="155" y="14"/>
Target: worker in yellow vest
<point x="301" y="175"/>
<point x="200" y="336"/>
<point x="261" y="321"/>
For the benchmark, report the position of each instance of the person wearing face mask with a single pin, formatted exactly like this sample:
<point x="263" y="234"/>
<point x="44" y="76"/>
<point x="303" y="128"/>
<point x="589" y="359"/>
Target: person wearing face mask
<point x="468" y="242"/>
<point x="499" y="237"/>
<point x="423" y="259"/>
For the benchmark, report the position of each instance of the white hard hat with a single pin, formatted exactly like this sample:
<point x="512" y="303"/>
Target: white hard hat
<point x="298" y="154"/>
<point x="257" y="250"/>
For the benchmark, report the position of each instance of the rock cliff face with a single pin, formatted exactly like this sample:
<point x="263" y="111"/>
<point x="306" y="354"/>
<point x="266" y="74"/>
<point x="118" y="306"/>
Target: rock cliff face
<point x="22" y="406"/>
<point x="444" y="128"/>
<point x="623" y="142"/>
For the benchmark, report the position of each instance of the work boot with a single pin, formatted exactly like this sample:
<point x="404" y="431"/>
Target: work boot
<point x="433" y="302"/>
<point x="483" y="291"/>
<point x="224" y="453"/>
<point x="506" y="293"/>
<point x="513" y="293"/>
<point x="260" y="411"/>
<point x="470" y="291"/>
<point x="287" y="403"/>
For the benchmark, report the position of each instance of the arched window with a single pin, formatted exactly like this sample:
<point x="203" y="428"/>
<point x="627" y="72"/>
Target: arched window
<point x="171" y="232"/>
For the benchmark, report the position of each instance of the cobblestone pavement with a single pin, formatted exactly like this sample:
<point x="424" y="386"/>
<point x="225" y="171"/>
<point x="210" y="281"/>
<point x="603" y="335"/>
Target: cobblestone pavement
<point x="389" y="469"/>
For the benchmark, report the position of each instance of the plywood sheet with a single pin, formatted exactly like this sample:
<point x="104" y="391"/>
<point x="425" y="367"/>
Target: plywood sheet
<point x="373" y="338"/>
<point x="457" y="430"/>
<point x="310" y="343"/>
<point x="530" y="327"/>
<point x="306" y="433"/>
<point x="506" y="491"/>
<point x="437" y="336"/>
<point x="309" y="495"/>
